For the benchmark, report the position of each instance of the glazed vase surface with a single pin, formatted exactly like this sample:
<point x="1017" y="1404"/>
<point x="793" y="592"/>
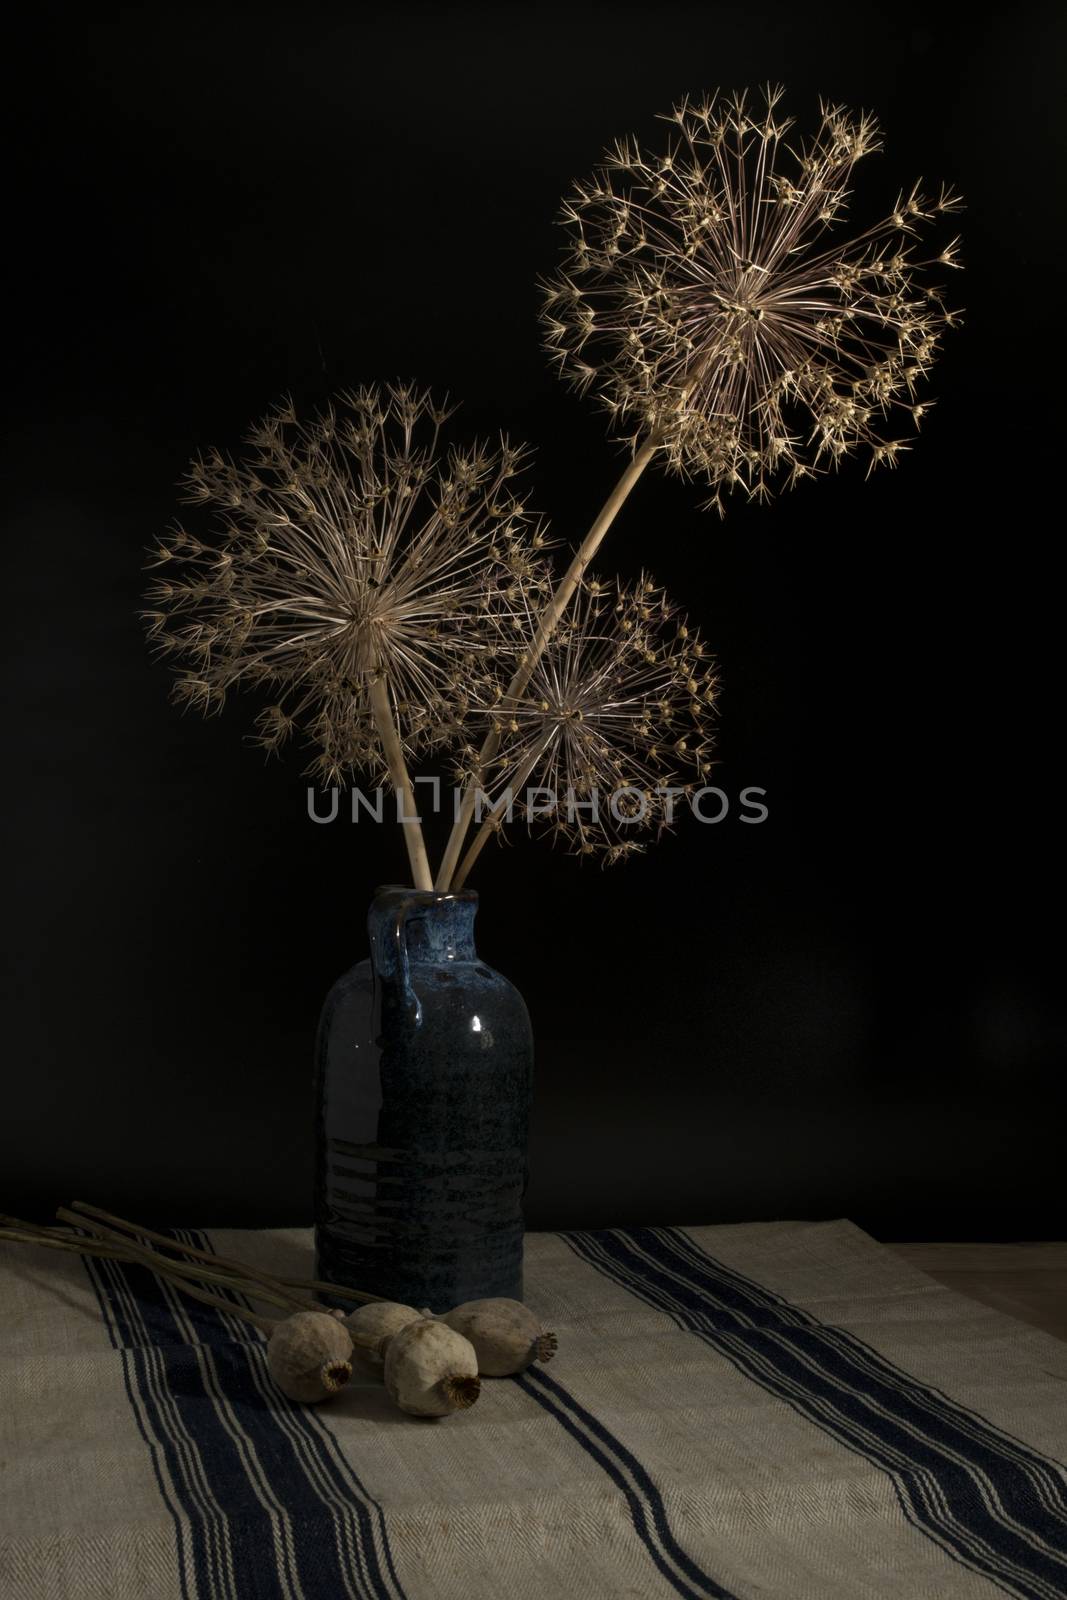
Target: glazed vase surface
<point x="424" y="1066"/>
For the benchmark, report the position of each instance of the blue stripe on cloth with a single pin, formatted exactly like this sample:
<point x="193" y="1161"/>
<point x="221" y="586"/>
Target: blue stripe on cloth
<point x="1049" y="1476"/>
<point x="989" y="1501"/>
<point x="647" y="1511"/>
<point x="261" y="1493"/>
<point x="183" y="1464"/>
<point x="359" y="1521"/>
<point x="146" y="1417"/>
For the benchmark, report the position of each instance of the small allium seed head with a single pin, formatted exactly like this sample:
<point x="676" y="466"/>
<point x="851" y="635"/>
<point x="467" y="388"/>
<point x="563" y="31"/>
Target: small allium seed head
<point x="618" y="671"/>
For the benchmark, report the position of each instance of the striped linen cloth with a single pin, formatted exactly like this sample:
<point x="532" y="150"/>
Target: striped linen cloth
<point x="776" y="1411"/>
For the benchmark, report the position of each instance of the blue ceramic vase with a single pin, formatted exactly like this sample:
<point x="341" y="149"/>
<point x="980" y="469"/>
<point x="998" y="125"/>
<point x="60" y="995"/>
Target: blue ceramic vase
<point x="423" y="1076"/>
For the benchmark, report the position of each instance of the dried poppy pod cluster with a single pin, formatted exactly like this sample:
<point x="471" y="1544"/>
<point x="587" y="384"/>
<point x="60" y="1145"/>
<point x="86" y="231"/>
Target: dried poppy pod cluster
<point x="429" y="1370"/>
<point x="433" y="1365"/>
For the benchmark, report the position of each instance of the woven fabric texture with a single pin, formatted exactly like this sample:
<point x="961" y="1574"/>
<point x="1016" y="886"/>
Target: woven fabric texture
<point x="773" y="1411"/>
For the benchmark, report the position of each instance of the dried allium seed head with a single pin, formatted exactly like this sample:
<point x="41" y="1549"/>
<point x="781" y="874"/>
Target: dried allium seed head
<point x="703" y="301"/>
<point x="618" y="709"/>
<point x="344" y="547"/>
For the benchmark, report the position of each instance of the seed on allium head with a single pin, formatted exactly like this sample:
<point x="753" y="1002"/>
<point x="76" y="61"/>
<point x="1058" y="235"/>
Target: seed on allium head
<point x="728" y="330"/>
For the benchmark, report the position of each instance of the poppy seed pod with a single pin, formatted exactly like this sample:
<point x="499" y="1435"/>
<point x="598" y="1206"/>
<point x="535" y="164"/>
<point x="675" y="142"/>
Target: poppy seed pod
<point x="506" y="1336"/>
<point x="369" y="1325"/>
<point x="430" y="1369"/>
<point x="309" y="1355"/>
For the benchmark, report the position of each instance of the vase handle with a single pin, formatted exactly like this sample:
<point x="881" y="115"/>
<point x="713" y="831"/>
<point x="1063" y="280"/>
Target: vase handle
<point x="387" y="930"/>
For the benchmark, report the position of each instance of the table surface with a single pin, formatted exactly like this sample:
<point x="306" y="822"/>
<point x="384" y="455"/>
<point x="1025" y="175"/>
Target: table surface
<point x="759" y="1411"/>
<point x="1025" y="1281"/>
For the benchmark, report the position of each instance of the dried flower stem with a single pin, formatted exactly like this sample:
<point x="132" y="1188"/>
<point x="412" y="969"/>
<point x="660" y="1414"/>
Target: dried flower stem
<point x="135" y="1228"/>
<point x="264" y="1324"/>
<point x="337" y="1290"/>
<point x="447" y="877"/>
<point x="384" y="721"/>
<point x="53" y="1239"/>
<point x="226" y="1265"/>
<point x="17" y="1232"/>
<point x="491" y="822"/>
<point x="272" y="1292"/>
<point x="220" y="1269"/>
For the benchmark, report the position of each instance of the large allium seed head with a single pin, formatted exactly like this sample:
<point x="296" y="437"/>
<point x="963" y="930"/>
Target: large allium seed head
<point x="618" y="708"/>
<point x="342" y="548"/>
<point x="705" y="302"/>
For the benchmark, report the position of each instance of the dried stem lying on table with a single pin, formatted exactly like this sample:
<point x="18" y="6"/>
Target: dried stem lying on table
<point x="310" y="1286"/>
<point x="14" y="1229"/>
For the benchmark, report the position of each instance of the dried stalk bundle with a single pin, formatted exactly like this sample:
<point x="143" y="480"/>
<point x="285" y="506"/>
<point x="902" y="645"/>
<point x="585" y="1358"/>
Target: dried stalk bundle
<point x="304" y="1287"/>
<point x="704" y="303"/>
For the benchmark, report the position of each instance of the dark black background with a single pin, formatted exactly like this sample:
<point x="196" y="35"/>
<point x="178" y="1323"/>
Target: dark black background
<point x="853" y="1008"/>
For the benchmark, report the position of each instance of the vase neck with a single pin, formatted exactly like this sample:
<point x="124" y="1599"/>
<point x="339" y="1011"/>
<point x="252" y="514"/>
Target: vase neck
<point x="442" y="932"/>
<point x="410" y="925"/>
